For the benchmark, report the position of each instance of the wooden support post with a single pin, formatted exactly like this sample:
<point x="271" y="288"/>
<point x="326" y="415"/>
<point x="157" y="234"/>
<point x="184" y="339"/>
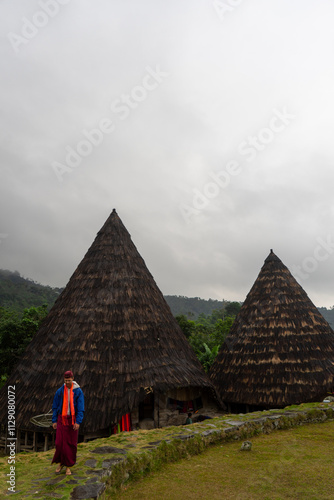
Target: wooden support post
<point x="46" y="441"/>
<point x="26" y="438"/>
<point x="34" y="442"/>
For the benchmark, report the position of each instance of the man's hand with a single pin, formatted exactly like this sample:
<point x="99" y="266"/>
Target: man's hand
<point x="76" y="427"/>
<point x="54" y="425"/>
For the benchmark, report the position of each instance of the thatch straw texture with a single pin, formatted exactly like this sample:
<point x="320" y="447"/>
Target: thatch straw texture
<point x="113" y="328"/>
<point x="280" y="350"/>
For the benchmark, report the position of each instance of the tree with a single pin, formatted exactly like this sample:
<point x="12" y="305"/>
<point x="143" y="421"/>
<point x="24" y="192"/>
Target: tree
<point x="15" y="334"/>
<point x="221" y="330"/>
<point x="232" y="309"/>
<point x="187" y="325"/>
<point x="206" y="334"/>
<point x="207" y="357"/>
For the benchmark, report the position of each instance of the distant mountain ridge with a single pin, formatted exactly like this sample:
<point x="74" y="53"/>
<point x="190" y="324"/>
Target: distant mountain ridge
<point x="192" y="307"/>
<point x="328" y="314"/>
<point x="19" y="293"/>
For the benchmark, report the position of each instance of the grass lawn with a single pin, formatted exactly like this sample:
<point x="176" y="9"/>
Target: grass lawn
<point x="296" y="464"/>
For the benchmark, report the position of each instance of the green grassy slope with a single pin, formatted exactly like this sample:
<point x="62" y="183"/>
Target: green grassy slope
<point x="139" y="453"/>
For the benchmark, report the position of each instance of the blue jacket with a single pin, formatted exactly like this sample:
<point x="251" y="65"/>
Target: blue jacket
<point x="78" y="399"/>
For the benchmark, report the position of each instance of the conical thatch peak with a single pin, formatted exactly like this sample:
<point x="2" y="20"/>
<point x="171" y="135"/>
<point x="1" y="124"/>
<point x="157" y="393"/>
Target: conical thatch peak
<point x="272" y="257"/>
<point x="113" y="328"/>
<point x="280" y="349"/>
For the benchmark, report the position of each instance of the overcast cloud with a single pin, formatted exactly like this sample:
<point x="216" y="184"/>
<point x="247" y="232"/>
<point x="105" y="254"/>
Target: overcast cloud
<point x="208" y="125"/>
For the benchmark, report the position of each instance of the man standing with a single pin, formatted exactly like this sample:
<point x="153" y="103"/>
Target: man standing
<point x="68" y="410"/>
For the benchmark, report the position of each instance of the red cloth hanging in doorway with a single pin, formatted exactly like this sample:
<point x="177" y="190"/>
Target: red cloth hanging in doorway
<point x="124" y="424"/>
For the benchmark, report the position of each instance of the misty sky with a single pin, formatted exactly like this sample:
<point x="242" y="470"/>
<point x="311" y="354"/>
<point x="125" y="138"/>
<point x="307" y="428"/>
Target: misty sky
<point x="208" y="125"/>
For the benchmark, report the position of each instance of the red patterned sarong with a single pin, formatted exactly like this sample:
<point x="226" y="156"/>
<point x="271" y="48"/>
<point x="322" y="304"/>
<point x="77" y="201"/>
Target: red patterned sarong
<point x="66" y="443"/>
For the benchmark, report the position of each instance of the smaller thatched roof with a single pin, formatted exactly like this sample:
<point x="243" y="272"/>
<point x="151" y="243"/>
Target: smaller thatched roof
<point x="280" y="350"/>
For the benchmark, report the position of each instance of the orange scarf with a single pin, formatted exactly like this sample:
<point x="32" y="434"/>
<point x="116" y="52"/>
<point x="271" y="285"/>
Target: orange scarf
<point x="65" y="406"/>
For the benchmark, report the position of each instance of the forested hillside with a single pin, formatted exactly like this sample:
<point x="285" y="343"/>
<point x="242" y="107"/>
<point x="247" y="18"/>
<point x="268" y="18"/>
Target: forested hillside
<point x="24" y="304"/>
<point x="18" y="293"/>
<point x="194" y="306"/>
<point x="328" y="314"/>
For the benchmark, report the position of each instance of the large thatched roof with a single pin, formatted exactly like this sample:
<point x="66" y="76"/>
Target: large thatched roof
<point x="113" y="328"/>
<point x="280" y="349"/>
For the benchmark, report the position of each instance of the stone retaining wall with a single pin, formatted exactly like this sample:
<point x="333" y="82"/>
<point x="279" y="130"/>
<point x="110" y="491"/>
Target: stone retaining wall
<point x="128" y="464"/>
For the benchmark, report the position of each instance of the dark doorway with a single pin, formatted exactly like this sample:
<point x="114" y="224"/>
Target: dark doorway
<point x="146" y="407"/>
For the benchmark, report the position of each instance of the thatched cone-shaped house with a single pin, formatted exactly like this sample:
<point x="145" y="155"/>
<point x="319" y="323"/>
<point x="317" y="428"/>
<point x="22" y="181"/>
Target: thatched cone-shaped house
<point x="113" y="328"/>
<point x="280" y="350"/>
